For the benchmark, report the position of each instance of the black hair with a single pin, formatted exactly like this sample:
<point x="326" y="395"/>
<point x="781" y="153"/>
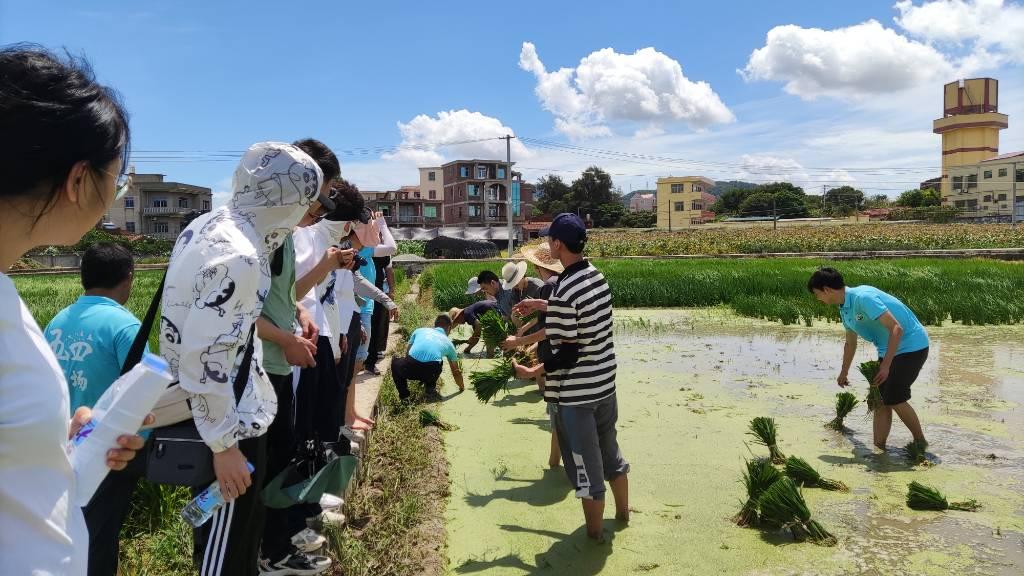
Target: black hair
<point x="442" y="321"/>
<point x="349" y="204"/>
<point x="322" y="155"/>
<point x="825" y="278"/>
<point x="486" y="276"/>
<point x="53" y="115"/>
<point x="576" y="247"/>
<point x="106" y="265"/>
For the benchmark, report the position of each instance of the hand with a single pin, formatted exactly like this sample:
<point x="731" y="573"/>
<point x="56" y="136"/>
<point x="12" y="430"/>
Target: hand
<point x="393" y="314"/>
<point x="843" y="380"/>
<point x="309" y="329"/>
<point x="883" y="374"/>
<point x="510" y="343"/>
<point x="130" y="444"/>
<point x="362" y="335"/>
<point x="344" y="345"/>
<point x="300" y="352"/>
<point x="529" y="306"/>
<point x="346" y="258"/>
<point x="232" y="473"/>
<point x="523" y="372"/>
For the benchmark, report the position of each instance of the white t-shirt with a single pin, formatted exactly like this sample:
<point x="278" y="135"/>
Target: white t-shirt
<point x="41" y="531"/>
<point x="308" y="252"/>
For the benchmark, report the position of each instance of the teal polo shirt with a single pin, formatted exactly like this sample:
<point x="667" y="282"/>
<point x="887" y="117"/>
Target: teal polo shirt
<point x="91" y="339"/>
<point x="431" y="345"/>
<point x="860" y="313"/>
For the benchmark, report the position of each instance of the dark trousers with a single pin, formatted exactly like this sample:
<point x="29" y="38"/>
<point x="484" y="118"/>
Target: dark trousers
<point x="105" y="514"/>
<point x="319" y="398"/>
<point x="408" y="368"/>
<point x="381" y="322"/>
<point x="229" y="543"/>
<point x="281" y="448"/>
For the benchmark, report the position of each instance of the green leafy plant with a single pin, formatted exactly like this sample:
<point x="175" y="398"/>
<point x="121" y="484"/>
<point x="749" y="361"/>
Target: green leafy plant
<point x="494" y="329"/>
<point x="431" y="418"/>
<point x="486" y="385"/>
<point x="869" y="370"/>
<point x="845" y="403"/>
<point x="804" y="474"/>
<point x="783" y="504"/>
<point x="764" y="431"/>
<point x="921" y="497"/>
<point x="759" y="475"/>
<point x="917" y="452"/>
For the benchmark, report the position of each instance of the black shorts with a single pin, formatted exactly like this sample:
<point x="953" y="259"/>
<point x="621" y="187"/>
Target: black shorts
<point x="905" y="368"/>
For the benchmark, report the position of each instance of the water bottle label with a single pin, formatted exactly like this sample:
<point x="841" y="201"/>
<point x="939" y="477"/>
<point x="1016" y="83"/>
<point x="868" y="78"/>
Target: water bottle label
<point x="206" y="501"/>
<point x="83" y="434"/>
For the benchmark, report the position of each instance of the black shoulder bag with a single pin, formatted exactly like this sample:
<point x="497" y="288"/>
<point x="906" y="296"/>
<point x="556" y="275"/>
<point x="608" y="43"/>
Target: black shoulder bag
<point x="176" y="454"/>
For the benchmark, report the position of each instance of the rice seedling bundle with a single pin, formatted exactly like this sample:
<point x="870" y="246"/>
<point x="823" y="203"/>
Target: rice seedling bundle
<point x="487" y="384"/>
<point x="917" y="452"/>
<point x="431" y="418"/>
<point x="869" y="370"/>
<point x="804" y="474"/>
<point x="783" y="504"/>
<point x="764" y="432"/>
<point x="759" y="475"/>
<point x="845" y="403"/>
<point x="921" y="497"/>
<point x="494" y="329"/>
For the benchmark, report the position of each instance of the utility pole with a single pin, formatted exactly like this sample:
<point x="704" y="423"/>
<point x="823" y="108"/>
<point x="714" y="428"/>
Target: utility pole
<point x="775" y="218"/>
<point x="508" y="189"/>
<point x="1013" y="198"/>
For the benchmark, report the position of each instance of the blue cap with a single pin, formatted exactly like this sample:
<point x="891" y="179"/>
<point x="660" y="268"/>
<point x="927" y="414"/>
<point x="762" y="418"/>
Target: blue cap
<point x="567" y="227"/>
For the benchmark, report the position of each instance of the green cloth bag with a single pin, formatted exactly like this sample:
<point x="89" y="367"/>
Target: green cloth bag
<point x="294" y="485"/>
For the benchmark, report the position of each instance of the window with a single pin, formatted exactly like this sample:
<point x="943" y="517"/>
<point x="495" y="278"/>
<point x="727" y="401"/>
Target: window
<point x="697" y="205"/>
<point x="960" y="203"/>
<point x="474" y="211"/>
<point x="492" y="194"/>
<point x="416" y="194"/>
<point x="432" y="194"/>
<point x="972" y="180"/>
<point x="1019" y="175"/>
<point x="987" y="174"/>
<point x="958" y="181"/>
<point x="130" y="227"/>
<point x="696" y="221"/>
<point x="431" y="176"/>
<point x="1002" y="172"/>
<point x="988" y="198"/>
<point x="473" y="190"/>
<point x="430" y="211"/>
<point x="698" y="188"/>
<point x="161" y="228"/>
<point x="492" y="210"/>
<point x="460" y="211"/>
<point x="516" y="197"/>
<point x="160" y="203"/>
<point x="481" y="172"/>
<point x="129" y="201"/>
<point x="1001" y="198"/>
<point x="464" y="171"/>
<point x="206" y="204"/>
<point x="501" y="173"/>
<point x="183" y="203"/>
<point x="972" y="203"/>
<point x="677" y="188"/>
<point x="680" y="206"/>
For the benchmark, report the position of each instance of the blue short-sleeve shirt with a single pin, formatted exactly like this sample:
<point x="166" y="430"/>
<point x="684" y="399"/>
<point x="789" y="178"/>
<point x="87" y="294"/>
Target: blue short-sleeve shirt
<point x="862" y="309"/>
<point x="431" y="345"/>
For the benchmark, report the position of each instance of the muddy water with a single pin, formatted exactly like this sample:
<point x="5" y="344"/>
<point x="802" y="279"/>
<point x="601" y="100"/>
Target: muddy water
<point x="688" y="385"/>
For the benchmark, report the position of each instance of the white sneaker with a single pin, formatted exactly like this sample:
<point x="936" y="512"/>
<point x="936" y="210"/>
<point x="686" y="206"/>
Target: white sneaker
<point x="327" y="519"/>
<point x="331" y="502"/>
<point x="308" y="541"/>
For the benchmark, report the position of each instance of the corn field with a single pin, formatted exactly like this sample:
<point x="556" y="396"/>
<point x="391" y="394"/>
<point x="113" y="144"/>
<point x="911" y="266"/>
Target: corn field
<point x="972" y="291"/>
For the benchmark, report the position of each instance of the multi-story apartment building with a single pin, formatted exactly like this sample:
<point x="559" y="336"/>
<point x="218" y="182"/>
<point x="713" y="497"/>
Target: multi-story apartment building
<point x="408" y="206"/>
<point x="987" y="189"/>
<point x="155" y="208"/>
<point x="476" y="193"/>
<point x="682" y="201"/>
<point x="643" y="202"/>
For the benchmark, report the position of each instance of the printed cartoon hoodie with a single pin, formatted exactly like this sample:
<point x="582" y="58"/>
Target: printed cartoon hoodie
<point x="218" y="277"/>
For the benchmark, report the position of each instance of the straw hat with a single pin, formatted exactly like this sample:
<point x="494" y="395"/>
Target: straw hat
<point x="512" y="273"/>
<point x="454" y="313"/>
<point x="540" y="256"/>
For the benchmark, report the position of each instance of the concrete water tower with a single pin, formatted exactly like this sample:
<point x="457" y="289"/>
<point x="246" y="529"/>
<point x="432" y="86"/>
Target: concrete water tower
<point x="970" y="125"/>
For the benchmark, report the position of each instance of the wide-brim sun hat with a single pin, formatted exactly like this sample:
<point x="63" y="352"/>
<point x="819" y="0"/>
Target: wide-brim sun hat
<point x="512" y="273"/>
<point x="472" y="286"/>
<point x="540" y="256"/>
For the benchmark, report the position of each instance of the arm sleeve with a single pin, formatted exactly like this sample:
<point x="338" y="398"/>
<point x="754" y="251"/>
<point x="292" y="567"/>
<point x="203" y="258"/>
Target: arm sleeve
<point x="388" y="246"/>
<point x="365" y="289"/>
<point x="872" y="306"/>
<point x="450" y="353"/>
<point x="212" y="342"/>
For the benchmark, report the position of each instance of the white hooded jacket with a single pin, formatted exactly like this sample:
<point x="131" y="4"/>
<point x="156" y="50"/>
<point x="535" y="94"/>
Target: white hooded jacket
<point x="216" y="282"/>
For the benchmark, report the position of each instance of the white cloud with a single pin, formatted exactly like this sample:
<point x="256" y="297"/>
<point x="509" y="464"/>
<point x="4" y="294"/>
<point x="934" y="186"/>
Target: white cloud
<point x="992" y="27"/>
<point x="646" y="86"/>
<point x="431" y="140"/>
<point x="222" y="192"/>
<point x="848" y="63"/>
<point x="769" y="168"/>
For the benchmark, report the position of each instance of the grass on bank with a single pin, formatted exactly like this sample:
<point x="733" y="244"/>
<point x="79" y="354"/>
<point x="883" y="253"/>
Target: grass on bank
<point x="972" y="291"/>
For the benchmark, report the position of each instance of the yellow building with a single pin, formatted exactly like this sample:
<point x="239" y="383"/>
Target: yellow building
<point x="683" y="201"/>
<point x="969" y="127"/>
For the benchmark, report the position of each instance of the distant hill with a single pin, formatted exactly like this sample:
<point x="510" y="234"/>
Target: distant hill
<point x="724" y="185"/>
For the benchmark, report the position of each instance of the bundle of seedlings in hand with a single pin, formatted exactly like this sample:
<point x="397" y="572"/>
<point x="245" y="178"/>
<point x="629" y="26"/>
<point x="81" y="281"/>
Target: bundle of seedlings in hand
<point x="783" y="504"/>
<point x="487" y="384"/>
<point x="494" y="329"/>
<point x="764" y="431"/>
<point x="845" y="403"/>
<point x="802" y="473"/>
<point x="917" y="452"/>
<point x="430" y="418"/>
<point x="869" y="370"/>
<point x="921" y="497"/>
<point x="760" y="474"/>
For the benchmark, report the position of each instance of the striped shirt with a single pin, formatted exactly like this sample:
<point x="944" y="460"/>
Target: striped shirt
<point x="580" y="311"/>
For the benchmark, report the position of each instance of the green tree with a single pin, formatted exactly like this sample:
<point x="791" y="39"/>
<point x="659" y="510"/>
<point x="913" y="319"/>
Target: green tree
<point x="609" y="214"/>
<point x="553" y="195"/>
<point x="877" y="201"/>
<point x="843" y="200"/>
<point x="919" y="198"/>
<point x="785" y="203"/>
<point x="729" y="202"/>
<point x="639" y="220"/>
<point x="592" y="189"/>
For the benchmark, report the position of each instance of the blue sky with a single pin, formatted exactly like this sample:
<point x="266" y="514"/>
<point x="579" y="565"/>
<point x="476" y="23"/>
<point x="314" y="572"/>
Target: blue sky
<point x="822" y="93"/>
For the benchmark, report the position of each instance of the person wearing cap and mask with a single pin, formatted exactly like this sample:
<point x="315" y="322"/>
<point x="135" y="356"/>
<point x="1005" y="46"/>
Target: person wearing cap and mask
<point x="581" y="374"/>
<point x="216" y="283"/>
<point x="372" y="239"/>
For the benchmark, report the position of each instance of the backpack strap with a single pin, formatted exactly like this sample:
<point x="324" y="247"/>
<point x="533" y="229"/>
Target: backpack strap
<point x="139" y="344"/>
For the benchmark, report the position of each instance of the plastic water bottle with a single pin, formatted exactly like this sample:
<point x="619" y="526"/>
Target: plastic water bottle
<point x="205" y="505"/>
<point x="121" y="410"/>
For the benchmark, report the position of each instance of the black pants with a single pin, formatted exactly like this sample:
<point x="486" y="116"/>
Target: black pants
<point x="408" y="368"/>
<point x="381" y="323"/>
<point x="348" y="359"/>
<point x="105" y="514"/>
<point x="281" y="448"/>
<point x="319" y="397"/>
<point x="229" y="543"/>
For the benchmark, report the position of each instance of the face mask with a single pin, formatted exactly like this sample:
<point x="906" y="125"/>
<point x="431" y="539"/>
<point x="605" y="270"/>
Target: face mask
<point x="369" y="234"/>
<point x="336" y="230"/>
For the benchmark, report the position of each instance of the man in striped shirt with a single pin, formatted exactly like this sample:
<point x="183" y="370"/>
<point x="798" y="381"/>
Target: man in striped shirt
<point x="581" y="374"/>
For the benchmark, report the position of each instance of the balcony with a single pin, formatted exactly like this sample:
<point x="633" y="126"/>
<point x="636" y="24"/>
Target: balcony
<point x="166" y="210"/>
